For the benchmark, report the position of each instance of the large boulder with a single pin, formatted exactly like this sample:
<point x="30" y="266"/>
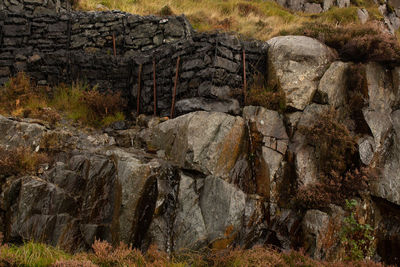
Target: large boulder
<point x="296" y="64"/>
<point x="388" y="184"/>
<point x="208" y="142"/>
<point x="380" y="89"/>
<point x="332" y="86"/>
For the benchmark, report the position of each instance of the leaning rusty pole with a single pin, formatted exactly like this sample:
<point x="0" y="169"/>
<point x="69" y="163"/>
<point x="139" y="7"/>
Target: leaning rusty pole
<point x="154" y="87"/>
<point x="244" y="79"/>
<point x="175" y="85"/>
<point x="138" y="90"/>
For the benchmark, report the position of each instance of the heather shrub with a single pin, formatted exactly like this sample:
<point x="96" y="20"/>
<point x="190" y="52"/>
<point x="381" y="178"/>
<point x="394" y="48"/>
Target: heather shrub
<point x="20" y="161"/>
<point x="340" y="177"/>
<point x="353" y="42"/>
<point x="260" y="95"/>
<point x="166" y="11"/>
<point x="334" y="146"/>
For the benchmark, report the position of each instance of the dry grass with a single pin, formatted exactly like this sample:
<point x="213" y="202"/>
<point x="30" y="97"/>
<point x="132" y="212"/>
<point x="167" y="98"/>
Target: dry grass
<point x="21" y="98"/>
<point x="36" y="254"/>
<point x="20" y="161"/>
<point x="255" y="19"/>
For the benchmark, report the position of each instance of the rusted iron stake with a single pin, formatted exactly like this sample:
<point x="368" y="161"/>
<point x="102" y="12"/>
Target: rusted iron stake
<point x="114" y="46"/>
<point x="138" y="90"/>
<point x="154" y="87"/>
<point x="175" y="84"/>
<point x="244" y="78"/>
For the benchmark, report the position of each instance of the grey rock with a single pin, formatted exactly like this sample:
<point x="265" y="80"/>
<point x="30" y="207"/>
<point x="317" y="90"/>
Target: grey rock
<point x="199" y="103"/>
<point x="296" y="63"/>
<point x="366" y="148"/>
<point x="363" y="15"/>
<point x="296" y="5"/>
<point x="174" y="28"/>
<point x="16" y="30"/>
<point x="312" y="8"/>
<point x="380" y="91"/>
<point x="190" y="230"/>
<point x="343" y="3"/>
<point x="388" y="184"/>
<point x="332" y="86"/>
<point x="16" y="133"/>
<point x="144" y="30"/>
<point x="192" y="64"/>
<point x="226" y="64"/>
<point x="380" y="124"/>
<point x="327" y="4"/>
<point x="223" y="206"/>
<point x="315" y="224"/>
<point x="208" y="142"/>
<point x="306" y="166"/>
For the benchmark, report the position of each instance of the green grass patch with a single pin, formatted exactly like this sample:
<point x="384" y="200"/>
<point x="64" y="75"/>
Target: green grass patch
<point x="32" y="254"/>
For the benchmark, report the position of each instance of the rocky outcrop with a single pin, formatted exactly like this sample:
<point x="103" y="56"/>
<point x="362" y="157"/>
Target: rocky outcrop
<point x="296" y="63"/>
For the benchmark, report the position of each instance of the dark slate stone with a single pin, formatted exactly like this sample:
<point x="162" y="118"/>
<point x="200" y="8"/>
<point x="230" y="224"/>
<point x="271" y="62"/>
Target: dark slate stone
<point x="226" y="64"/>
<point x="17" y="30"/>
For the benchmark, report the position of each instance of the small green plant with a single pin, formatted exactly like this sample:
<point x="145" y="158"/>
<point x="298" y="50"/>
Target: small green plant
<point x="357" y="238"/>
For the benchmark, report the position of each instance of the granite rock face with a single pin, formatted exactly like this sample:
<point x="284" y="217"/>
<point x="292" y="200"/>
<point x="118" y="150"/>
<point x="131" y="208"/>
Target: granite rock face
<point x="296" y="63"/>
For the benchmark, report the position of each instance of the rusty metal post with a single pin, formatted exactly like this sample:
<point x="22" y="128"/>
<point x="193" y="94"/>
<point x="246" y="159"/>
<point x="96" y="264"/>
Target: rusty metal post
<point x="154" y="87"/>
<point x="138" y="90"/>
<point x="175" y="84"/>
<point x="244" y="78"/>
<point x="114" y="45"/>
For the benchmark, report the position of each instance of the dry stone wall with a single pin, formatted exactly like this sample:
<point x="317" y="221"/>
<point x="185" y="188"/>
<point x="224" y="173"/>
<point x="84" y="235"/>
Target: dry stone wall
<point x="53" y="44"/>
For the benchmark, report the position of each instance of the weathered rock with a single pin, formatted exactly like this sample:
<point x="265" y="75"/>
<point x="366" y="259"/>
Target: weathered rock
<point x="206" y="142"/>
<point x="296" y="63"/>
<point x="269" y="125"/>
<point x="332" y="86"/>
<point x="327" y="4"/>
<point x="363" y="15"/>
<point x="321" y="232"/>
<point x="380" y="124"/>
<point x="312" y="8"/>
<point x="189" y="228"/>
<point x="366" y="148"/>
<point x="223" y="206"/>
<point x="199" y="103"/>
<point x="306" y="166"/>
<point x="315" y="223"/>
<point x="388" y="184"/>
<point x="343" y="3"/>
<point x="380" y="91"/>
<point x="305" y="158"/>
<point x="15" y="133"/>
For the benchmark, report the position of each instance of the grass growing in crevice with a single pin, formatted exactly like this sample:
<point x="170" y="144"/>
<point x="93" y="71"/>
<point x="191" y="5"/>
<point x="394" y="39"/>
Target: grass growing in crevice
<point x="260" y="94"/>
<point x="20" y="97"/>
<point x="21" y="160"/>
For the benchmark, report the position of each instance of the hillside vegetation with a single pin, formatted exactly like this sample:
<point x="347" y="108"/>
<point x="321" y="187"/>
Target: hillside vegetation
<point x="256" y="19"/>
